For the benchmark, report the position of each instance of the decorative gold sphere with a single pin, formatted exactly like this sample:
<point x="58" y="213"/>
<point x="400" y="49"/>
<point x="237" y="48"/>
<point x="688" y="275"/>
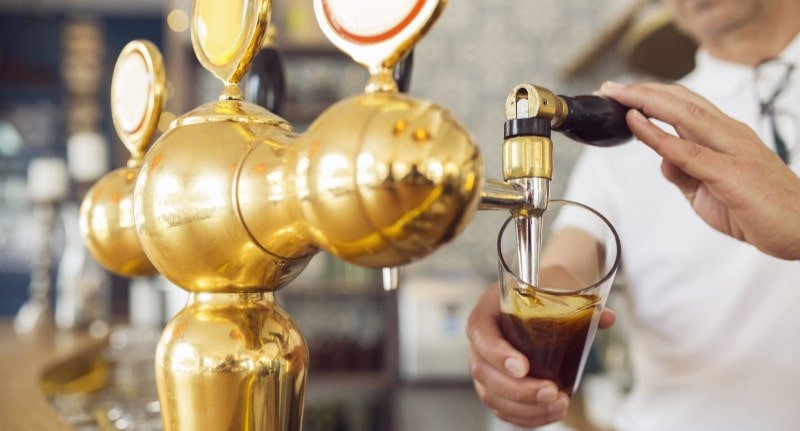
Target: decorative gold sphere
<point x="386" y="179"/>
<point x="108" y="228"/>
<point x="191" y="214"/>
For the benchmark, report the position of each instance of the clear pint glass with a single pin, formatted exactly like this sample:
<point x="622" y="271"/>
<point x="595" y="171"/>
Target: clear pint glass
<point x="554" y="322"/>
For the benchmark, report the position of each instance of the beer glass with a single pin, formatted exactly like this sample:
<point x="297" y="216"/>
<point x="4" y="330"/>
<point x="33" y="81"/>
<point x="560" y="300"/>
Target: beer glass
<point x="554" y="322"/>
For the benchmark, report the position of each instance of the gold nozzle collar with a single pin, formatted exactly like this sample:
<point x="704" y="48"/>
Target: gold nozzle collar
<point x="527" y="157"/>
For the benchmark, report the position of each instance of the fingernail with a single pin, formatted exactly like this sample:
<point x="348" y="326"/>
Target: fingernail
<point x="557" y="407"/>
<point x="547" y="394"/>
<point x="514" y="366"/>
<point x="611" y="85"/>
<point x="638" y="116"/>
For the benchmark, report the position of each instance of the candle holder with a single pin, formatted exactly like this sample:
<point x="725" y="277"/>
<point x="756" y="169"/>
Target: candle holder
<point x="47" y="187"/>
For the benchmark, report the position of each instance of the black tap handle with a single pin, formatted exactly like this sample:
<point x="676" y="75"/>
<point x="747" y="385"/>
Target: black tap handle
<point x="595" y="121"/>
<point x="402" y="72"/>
<point x="265" y="84"/>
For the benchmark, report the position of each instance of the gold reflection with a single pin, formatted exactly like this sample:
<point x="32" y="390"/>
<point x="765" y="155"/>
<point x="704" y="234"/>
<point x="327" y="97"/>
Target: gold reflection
<point x="107" y="225"/>
<point x="178" y="21"/>
<point x="231" y="361"/>
<point x="378" y="193"/>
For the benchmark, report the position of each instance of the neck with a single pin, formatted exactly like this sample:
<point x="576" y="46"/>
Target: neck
<point x="759" y="40"/>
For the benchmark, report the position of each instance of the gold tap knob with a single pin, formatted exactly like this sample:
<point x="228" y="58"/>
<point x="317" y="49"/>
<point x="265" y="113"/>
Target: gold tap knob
<point x="527" y="148"/>
<point x="106" y="216"/>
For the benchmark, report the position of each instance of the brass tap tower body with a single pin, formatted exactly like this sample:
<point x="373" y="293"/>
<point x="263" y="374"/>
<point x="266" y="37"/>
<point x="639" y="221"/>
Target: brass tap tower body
<point x="230" y="204"/>
<point x="232" y="358"/>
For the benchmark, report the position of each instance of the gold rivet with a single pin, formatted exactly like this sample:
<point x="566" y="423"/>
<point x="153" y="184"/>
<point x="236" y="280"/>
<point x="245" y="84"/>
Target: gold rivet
<point x="399" y="127"/>
<point x="421" y="136"/>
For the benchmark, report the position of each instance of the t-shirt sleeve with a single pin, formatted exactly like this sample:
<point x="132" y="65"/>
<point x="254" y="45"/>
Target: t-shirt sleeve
<point x="590" y="184"/>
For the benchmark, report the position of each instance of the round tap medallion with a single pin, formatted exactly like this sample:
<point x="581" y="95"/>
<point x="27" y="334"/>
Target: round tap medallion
<point x="376" y="33"/>
<point x="365" y="21"/>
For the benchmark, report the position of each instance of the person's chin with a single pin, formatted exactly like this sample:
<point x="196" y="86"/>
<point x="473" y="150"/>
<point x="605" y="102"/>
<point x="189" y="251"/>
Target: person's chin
<point x="718" y="16"/>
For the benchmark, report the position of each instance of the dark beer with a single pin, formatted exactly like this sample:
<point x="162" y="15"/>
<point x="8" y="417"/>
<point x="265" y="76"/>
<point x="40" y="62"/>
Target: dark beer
<point x="552" y="331"/>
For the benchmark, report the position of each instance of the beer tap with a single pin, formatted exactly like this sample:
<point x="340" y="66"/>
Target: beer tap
<point x="531" y="113"/>
<point x="411" y="176"/>
<point x="106" y="214"/>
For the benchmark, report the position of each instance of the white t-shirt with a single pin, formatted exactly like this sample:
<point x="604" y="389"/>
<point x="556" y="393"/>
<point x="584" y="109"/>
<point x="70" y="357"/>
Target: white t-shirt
<point x="715" y="323"/>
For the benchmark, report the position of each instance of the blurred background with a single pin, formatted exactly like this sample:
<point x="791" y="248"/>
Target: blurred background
<point x="379" y="361"/>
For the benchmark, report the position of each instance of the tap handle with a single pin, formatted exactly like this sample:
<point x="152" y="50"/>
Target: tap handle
<point x="402" y="72"/>
<point x="595" y="121"/>
<point x="265" y="84"/>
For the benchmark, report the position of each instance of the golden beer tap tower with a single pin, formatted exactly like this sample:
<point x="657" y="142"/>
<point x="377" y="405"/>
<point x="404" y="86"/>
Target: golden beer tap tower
<point x="230" y="204"/>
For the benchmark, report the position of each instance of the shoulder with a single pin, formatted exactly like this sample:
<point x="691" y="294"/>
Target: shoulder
<point x="694" y="81"/>
<point x="630" y="165"/>
<point x="632" y="152"/>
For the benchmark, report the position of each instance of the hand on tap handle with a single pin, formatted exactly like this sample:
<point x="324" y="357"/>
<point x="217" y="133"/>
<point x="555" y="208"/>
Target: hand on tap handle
<point x="732" y="180"/>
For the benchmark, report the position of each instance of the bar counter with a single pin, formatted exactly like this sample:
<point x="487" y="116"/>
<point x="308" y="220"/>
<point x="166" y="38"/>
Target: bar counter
<point x="28" y="364"/>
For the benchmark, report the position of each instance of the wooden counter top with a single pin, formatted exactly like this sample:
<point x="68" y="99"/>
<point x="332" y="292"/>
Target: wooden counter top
<point x="23" y="363"/>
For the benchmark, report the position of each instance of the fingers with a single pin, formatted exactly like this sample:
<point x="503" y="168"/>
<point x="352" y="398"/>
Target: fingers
<point x="686" y="183"/>
<point x="529" y="416"/>
<point x="525" y="402"/>
<point x="487" y="340"/>
<point x="521" y="414"/>
<point x="607" y="318"/>
<point x="499" y="371"/>
<point x="691" y="158"/>
<point x="680" y="91"/>
<point x="520" y="390"/>
<point x="692" y="118"/>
